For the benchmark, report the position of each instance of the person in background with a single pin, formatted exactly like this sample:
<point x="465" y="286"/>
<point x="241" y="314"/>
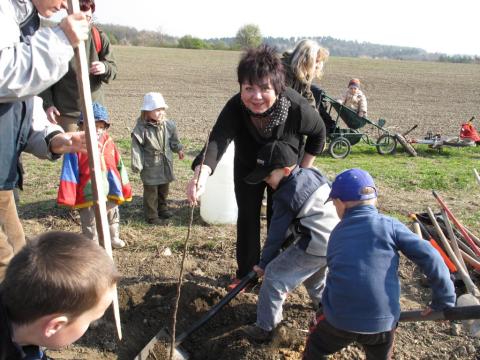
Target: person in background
<point x="304" y="64"/>
<point x="154" y="140"/>
<point x="354" y="98"/>
<point x="301" y="225"/>
<point x="31" y="59"/>
<point x="54" y="288"/>
<point x="62" y="100"/>
<point x="264" y="110"/>
<point x="360" y="302"/>
<point x="75" y="188"/>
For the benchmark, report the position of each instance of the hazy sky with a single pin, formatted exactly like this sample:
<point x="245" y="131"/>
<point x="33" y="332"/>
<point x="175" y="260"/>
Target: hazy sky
<point x="447" y="26"/>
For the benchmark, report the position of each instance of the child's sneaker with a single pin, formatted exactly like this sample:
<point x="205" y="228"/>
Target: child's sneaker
<point x="256" y="333"/>
<point x="118" y="243"/>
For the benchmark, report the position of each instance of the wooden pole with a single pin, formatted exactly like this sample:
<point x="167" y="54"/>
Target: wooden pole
<point x="99" y="197"/>
<point x="453" y="239"/>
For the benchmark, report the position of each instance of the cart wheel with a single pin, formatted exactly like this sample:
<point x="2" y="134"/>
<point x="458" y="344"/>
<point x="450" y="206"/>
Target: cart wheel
<point x="339" y="148"/>
<point x="386" y="144"/>
<point x="406" y="145"/>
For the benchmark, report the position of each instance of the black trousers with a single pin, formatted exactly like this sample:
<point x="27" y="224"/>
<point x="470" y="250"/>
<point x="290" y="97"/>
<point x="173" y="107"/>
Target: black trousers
<point x="325" y="339"/>
<point x="249" y="202"/>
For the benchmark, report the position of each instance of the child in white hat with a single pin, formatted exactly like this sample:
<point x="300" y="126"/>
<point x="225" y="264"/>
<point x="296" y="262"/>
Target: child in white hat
<point x="154" y="140"/>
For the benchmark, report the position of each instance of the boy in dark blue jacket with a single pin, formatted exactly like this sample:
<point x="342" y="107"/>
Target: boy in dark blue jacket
<point x="301" y="215"/>
<point x="361" y="296"/>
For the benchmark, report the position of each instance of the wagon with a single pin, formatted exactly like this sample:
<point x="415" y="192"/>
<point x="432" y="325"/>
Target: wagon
<point x="342" y="139"/>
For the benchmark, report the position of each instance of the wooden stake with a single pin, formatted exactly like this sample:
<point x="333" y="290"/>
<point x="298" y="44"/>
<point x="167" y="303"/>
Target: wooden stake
<point x="184" y="255"/>
<point x="99" y="198"/>
<point x="453" y="239"/>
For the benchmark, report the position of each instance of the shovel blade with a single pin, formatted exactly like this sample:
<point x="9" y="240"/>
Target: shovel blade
<point x="178" y="352"/>
<point x="470" y="326"/>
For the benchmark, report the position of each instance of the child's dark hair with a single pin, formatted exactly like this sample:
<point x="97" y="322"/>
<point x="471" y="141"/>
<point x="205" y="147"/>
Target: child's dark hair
<point x="258" y="63"/>
<point x="57" y="272"/>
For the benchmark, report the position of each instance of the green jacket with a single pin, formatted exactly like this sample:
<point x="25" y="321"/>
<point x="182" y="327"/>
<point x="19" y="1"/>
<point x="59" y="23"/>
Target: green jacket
<point x="64" y="94"/>
<point x="152" y="151"/>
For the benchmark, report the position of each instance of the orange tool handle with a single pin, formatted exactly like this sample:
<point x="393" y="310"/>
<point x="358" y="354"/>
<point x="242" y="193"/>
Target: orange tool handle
<point x="451" y="266"/>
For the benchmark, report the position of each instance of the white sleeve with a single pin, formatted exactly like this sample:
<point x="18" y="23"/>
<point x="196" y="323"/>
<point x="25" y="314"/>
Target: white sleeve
<point x="27" y="69"/>
<point x="41" y="128"/>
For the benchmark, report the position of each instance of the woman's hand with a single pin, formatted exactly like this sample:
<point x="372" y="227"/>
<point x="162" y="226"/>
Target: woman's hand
<point x="181" y="155"/>
<point x="196" y="185"/>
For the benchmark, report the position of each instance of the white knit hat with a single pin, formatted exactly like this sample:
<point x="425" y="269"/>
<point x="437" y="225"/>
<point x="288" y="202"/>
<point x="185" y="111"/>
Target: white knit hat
<point x="152" y="101"/>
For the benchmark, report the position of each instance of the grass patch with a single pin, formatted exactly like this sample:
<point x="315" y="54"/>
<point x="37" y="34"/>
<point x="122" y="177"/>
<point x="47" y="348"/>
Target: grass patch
<point x="449" y="169"/>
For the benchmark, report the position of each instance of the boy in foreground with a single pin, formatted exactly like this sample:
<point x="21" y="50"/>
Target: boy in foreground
<point x="301" y="218"/>
<point x="361" y="296"/>
<point x="54" y="288"/>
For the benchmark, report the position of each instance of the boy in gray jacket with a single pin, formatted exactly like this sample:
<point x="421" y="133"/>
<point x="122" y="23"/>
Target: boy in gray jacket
<point x="300" y="217"/>
<point x="154" y="140"/>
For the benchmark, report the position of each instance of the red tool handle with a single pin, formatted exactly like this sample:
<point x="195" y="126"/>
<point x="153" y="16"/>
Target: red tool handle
<point x="457" y="223"/>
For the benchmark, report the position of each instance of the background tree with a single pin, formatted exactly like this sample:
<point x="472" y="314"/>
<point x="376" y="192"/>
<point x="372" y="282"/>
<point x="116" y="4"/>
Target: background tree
<point x="248" y="36"/>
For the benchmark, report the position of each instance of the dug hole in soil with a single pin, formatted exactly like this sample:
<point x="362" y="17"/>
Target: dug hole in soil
<point x="146" y="308"/>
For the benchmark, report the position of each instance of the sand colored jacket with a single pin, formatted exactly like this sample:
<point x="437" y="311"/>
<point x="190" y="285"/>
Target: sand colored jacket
<point x="357" y="102"/>
<point x="152" y="151"/>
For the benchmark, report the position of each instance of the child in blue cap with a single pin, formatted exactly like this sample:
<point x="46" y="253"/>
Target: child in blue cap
<point x="75" y="189"/>
<point x="361" y="296"/>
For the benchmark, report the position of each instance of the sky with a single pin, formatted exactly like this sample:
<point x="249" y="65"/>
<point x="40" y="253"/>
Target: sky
<point x="445" y="26"/>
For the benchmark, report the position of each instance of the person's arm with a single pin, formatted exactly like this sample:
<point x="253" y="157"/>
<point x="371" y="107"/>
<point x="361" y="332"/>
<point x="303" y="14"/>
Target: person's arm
<point x="312" y="125"/>
<point x="196" y="185"/>
<point x="282" y="217"/>
<point x="28" y="68"/>
<point x="423" y="254"/>
<point x="106" y="67"/>
<point x="362" y="105"/>
<point x="48" y="141"/>
<point x="137" y="152"/>
<point x="173" y="141"/>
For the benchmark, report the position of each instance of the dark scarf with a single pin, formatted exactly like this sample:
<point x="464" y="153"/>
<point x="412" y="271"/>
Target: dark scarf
<point x="276" y="115"/>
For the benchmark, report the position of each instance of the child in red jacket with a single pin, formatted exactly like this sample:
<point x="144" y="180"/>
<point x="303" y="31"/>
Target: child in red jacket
<point x="76" y="187"/>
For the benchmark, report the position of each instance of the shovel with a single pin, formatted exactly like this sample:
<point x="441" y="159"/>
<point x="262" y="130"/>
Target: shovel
<point x="467" y="310"/>
<point x="179" y="353"/>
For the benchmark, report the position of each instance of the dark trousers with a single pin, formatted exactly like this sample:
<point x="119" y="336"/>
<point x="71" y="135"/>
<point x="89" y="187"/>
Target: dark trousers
<point x="325" y="339"/>
<point x="154" y="200"/>
<point x="249" y="202"/>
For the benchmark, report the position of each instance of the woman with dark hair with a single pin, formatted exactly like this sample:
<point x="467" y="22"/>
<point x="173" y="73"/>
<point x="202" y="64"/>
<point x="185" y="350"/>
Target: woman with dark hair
<point x="263" y="110"/>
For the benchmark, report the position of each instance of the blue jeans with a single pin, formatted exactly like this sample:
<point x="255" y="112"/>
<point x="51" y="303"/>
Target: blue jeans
<point x="282" y="275"/>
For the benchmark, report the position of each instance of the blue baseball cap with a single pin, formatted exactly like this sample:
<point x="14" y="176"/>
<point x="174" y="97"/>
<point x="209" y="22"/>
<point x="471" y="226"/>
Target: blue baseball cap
<point x="100" y="113"/>
<point x="348" y="186"/>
